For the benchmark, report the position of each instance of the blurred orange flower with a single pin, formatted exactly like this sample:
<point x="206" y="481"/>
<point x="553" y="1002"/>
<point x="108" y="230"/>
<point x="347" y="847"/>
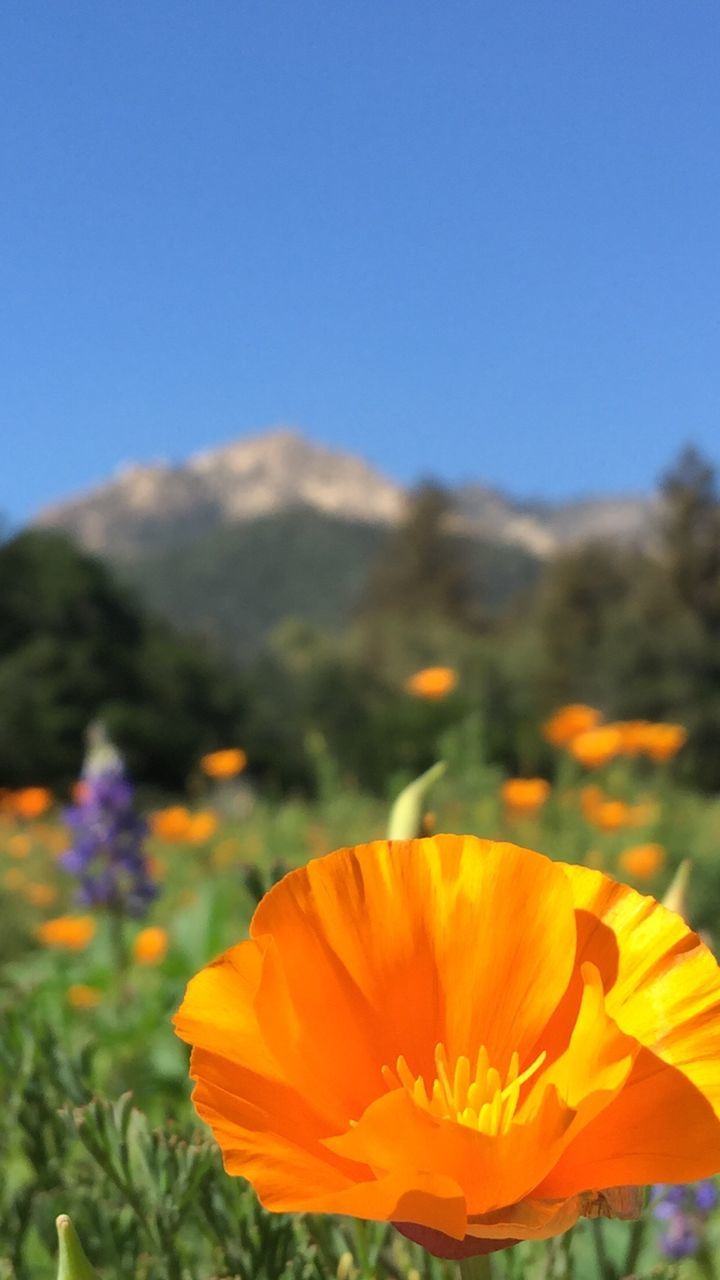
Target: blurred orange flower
<point x="151" y="944"/>
<point x="643" y="861"/>
<point x="14" y="879"/>
<point x="512" y="1039"/>
<point x="224" y="764"/>
<point x="567" y="722"/>
<point x="644" y="812"/>
<point x="31" y="802"/>
<point x="633" y="736"/>
<point x="157" y="867"/>
<point x="432" y="683"/>
<point x="201" y="827"/>
<point x="611" y="815"/>
<point x="226" y="851"/>
<point x="591" y="797"/>
<point x="40" y="895"/>
<point x="19" y="845"/>
<point x="72" y="933"/>
<point x="525" y="796"/>
<point x="81" y="996"/>
<point x="663" y="741"/>
<point x="596" y="747"/>
<point x="170" y="824"/>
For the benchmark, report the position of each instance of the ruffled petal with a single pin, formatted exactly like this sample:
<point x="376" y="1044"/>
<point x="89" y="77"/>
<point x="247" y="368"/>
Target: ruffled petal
<point x="659" y="1128"/>
<point x="474" y="916"/>
<point x="662" y="983"/>
<point x="395" y="1134"/>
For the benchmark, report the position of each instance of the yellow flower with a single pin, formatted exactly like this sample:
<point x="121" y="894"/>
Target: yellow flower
<point x="224" y="764"/>
<point x="432" y="683"/>
<point x="81" y="996"/>
<point x="461" y="1037"/>
<point x="150" y="945"/>
<point x="72" y="933"/>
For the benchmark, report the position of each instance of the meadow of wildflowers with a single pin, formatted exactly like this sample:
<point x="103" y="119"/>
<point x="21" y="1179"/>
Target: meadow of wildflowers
<point x="112" y="904"/>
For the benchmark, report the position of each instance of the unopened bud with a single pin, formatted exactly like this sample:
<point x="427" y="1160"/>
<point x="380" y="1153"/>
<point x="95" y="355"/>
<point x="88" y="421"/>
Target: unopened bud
<point x="72" y="1263"/>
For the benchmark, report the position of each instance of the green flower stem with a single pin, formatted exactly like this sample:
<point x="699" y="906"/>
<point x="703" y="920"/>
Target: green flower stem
<point x="362" y="1249"/>
<point x="118" y="942"/>
<point x="477" y="1268"/>
<point x="605" y="1266"/>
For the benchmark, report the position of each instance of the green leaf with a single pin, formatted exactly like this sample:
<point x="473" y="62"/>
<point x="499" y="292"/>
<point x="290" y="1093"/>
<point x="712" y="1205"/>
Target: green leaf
<point x="72" y="1263"/>
<point x="407" y="812"/>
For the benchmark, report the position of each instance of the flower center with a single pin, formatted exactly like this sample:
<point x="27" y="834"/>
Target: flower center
<point x="477" y="1098"/>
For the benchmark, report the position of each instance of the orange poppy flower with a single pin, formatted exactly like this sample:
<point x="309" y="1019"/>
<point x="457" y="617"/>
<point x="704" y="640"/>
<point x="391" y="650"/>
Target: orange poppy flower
<point x="81" y="996"/>
<point x="31" y="802"/>
<point x="150" y="945"/>
<point x="72" y="933"/>
<point x="597" y="747"/>
<point x="591" y="797"/>
<point x="663" y="741"/>
<point x="224" y="764"/>
<point x="40" y="895"/>
<point x="612" y="815"/>
<point x="567" y="722"/>
<point x="643" y="861"/>
<point x="432" y="683"/>
<point x="634" y="733"/>
<point x="525" y="796"/>
<point x="170" y="824"/>
<point x="510" y="1039"/>
<point x="19" y="845"/>
<point x="201" y="827"/>
<point x="14" y="879"/>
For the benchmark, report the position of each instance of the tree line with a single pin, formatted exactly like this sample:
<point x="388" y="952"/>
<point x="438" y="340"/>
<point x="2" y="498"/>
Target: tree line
<point x="634" y="630"/>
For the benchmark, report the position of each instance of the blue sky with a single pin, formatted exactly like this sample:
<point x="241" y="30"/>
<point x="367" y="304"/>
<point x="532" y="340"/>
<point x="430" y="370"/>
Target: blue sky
<point x="469" y="238"/>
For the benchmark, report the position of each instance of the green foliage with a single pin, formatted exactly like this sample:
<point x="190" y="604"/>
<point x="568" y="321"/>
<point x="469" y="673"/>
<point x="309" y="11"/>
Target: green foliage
<point x="142" y="1182"/>
<point x="237" y="584"/>
<point x="75" y="647"/>
<point x="637" y="633"/>
<point x="424" y="567"/>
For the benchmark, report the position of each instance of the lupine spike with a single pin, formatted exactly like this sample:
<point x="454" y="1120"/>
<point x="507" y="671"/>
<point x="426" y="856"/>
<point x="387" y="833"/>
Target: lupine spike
<point x="72" y="1263"/>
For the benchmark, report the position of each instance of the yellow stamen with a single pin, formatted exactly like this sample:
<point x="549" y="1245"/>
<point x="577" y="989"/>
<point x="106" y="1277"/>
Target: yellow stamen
<point x="479" y="1101"/>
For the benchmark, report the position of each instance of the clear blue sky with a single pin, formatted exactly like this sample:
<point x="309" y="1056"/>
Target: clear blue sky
<point x="462" y="237"/>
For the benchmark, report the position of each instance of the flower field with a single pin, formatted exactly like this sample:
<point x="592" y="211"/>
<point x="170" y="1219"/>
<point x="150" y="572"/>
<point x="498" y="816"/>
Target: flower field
<point x="111" y="903"/>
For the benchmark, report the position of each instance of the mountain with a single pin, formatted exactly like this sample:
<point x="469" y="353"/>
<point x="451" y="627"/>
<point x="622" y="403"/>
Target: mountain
<point x="239" y="538"/>
<point x="238" y="582"/>
<point x="158" y="507"/>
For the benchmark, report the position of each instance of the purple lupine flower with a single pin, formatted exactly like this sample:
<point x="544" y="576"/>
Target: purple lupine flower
<point x="683" y="1210"/>
<point x="108" y="834"/>
<point x="681" y="1240"/>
